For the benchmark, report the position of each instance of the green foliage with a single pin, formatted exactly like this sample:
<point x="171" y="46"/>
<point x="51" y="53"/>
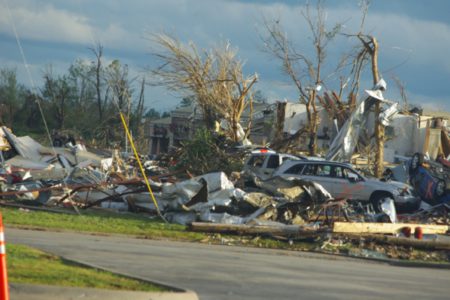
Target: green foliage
<point x="187" y="101"/>
<point x="152" y="114"/>
<point x="29" y="265"/>
<point x="12" y="96"/>
<point x="75" y="101"/>
<point x="207" y="153"/>
<point x="129" y="224"/>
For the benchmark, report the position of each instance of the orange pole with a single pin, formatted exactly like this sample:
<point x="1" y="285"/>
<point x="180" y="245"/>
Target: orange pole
<point x="4" y="289"/>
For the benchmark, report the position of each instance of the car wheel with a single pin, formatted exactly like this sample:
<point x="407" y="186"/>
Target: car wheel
<point x="377" y="200"/>
<point x="416" y="161"/>
<point x="440" y="188"/>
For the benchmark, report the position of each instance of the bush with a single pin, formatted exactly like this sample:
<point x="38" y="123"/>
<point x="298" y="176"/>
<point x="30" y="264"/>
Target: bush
<point x="207" y="153"/>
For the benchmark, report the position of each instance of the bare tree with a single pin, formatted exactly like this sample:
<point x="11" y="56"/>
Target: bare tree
<point x="98" y="71"/>
<point x="214" y="77"/>
<point x="369" y="52"/>
<point x="305" y="72"/>
<point x="401" y="87"/>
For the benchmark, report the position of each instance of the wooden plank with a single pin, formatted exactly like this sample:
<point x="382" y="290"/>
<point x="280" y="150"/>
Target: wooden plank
<point x="280" y="230"/>
<point x="386" y="228"/>
<point x="427" y="138"/>
<point x="399" y="241"/>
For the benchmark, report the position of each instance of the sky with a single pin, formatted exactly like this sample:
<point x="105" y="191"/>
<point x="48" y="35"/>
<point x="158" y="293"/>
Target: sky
<point x="413" y="36"/>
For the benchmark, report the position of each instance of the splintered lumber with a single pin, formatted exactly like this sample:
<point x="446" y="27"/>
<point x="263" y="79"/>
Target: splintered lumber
<point x="400" y="241"/>
<point x="386" y="228"/>
<point x="279" y="230"/>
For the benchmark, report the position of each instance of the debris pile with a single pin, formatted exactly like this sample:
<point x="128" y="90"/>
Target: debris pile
<point x="279" y="207"/>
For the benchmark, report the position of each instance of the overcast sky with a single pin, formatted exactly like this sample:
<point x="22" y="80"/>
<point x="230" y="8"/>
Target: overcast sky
<point x="414" y="38"/>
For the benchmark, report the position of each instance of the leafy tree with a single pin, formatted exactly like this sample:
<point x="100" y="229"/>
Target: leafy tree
<point x="187" y="101"/>
<point x="60" y="94"/>
<point x="204" y="154"/>
<point x="152" y="114"/>
<point x="12" y="96"/>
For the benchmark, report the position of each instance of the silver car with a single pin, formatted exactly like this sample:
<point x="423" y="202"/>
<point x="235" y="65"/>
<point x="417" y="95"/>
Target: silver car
<point x="342" y="181"/>
<point x="263" y="162"/>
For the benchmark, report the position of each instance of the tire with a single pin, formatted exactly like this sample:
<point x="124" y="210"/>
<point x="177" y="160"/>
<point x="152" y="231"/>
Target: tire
<point x="377" y="199"/>
<point x="440" y="188"/>
<point x="416" y="161"/>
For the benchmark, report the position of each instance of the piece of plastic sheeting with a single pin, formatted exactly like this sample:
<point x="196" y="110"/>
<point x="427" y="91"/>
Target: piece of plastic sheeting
<point x="388" y="207"/>
<point x="216" y="181"/>
<point x="240" y="133"/>
<point x="106" y="164"/>
<point x="322" y="190"/>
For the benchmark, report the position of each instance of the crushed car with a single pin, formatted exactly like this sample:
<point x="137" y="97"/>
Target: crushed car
<point x="342" y="181"/>
<point x="430" y="178"/>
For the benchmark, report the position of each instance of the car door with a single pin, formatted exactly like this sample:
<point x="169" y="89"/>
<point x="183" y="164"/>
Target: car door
<point x="271" y="162"/>
<point x="320" y="173"/>
<point x="348" y="184"/>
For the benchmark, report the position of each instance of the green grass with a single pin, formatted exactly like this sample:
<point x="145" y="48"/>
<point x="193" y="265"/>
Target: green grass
<point x="32" y="266"/>
<point x="133" y="225"/>
<point x="100" y="222"/>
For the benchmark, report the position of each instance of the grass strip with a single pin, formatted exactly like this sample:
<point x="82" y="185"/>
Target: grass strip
<point x="32" y="266"/>
<point x="100" y="222"/>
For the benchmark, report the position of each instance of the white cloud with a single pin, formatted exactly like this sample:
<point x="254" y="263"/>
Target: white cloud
<point x="428" y="40"/>
<point x="46" y="24"/>
<point x="429" y="103"/>
<point x="120" y="26"/>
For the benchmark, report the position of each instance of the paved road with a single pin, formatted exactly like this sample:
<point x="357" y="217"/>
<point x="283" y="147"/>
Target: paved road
<point x="224" y="272"/>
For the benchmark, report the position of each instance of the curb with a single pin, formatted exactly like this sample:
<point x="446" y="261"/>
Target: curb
<point x="44" y="292"/>
<point x="21" y="291"/>
<point x="407" y="264"/>
<point x="155" y="282"/>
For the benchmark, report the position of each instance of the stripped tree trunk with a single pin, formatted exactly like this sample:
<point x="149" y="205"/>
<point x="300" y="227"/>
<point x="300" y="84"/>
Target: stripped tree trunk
<point x="379" y="129"/>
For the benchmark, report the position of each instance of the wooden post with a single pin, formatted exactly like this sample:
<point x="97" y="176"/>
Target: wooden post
<point x="278" y="230"/>
<point x="379" y="128"/>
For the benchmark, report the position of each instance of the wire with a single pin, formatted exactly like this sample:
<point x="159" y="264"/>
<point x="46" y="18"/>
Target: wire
<point x="33" y="86"/>
<point x="130" y="138"/>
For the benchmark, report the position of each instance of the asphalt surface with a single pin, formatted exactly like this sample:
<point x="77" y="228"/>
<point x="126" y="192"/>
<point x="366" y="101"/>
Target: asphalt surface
<point x="226" y="272"/>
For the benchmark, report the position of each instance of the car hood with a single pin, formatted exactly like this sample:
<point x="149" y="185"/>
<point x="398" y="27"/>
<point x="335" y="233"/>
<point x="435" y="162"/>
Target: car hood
<point x="393" y="185"/>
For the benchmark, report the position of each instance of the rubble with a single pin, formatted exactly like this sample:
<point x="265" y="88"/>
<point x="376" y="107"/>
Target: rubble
<point x="286" y="209"/>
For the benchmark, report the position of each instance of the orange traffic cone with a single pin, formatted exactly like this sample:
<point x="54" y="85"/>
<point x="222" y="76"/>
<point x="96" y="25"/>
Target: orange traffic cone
<point x="4" y="289"/>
